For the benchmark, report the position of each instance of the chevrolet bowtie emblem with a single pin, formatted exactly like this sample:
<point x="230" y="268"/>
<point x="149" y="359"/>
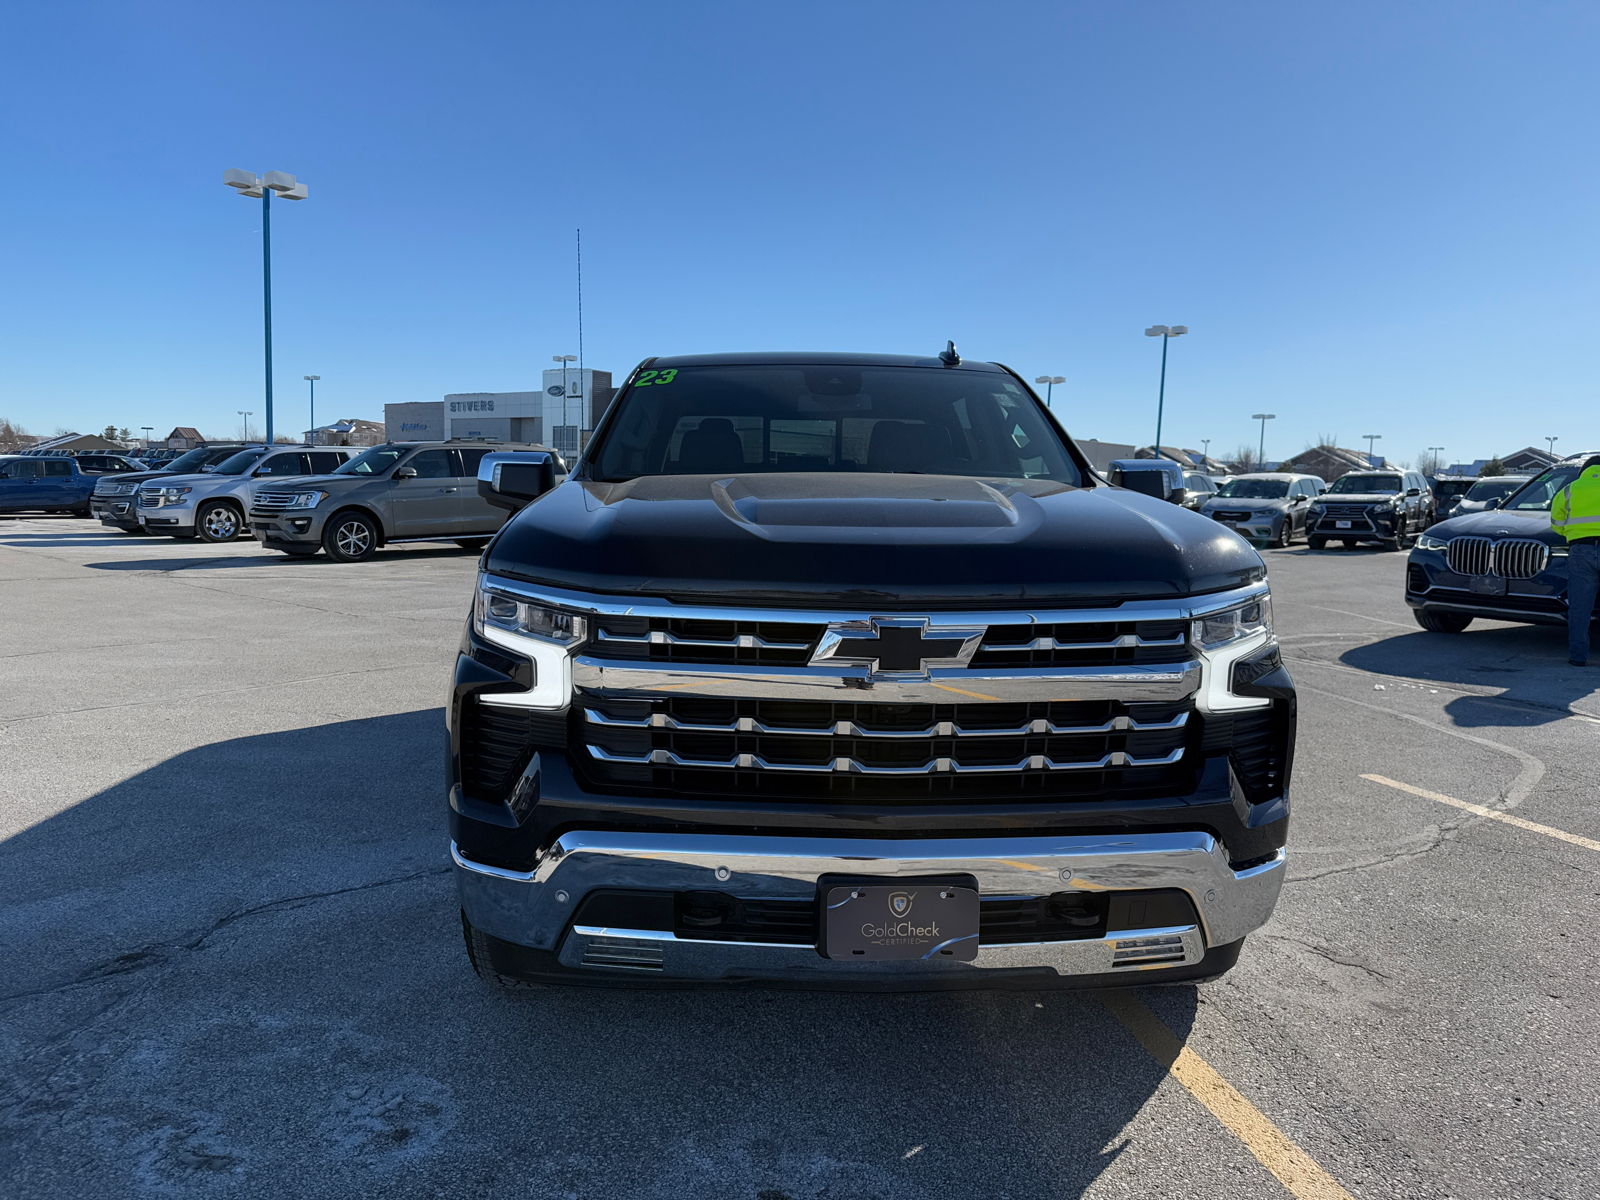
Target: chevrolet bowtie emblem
<point x="897" y="646"/>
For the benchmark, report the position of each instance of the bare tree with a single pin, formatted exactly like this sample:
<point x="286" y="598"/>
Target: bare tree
<point x="1245" y="458"/>
<point x="12" y="436"/>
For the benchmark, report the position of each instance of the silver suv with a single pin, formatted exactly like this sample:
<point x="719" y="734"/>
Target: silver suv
<point x="212" y="505"/>
<point x="400" y="491"/>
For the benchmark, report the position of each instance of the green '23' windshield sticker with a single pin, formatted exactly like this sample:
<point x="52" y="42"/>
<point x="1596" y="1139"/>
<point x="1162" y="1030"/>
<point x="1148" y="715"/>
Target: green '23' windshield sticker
<point x="653" y="378"/>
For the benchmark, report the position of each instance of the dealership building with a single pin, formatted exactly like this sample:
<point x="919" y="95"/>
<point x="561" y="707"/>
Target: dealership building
<point x="562" y="414"/>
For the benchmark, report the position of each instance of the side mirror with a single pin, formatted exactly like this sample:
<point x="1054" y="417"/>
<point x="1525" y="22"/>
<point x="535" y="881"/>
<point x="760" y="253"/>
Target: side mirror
<point x="406" y="473"/>
<point x="1493" y="502"/>
<point x="1177" y="496"/>
<point x="1413" y="491"/>
<point x="514" y="478"/>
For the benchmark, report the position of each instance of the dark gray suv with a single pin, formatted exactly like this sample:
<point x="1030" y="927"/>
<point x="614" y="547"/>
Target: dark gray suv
<point x="399" y="491"/>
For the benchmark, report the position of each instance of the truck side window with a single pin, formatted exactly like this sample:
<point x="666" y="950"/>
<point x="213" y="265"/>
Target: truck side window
<point x="470" y="461"/>
<point x="285" y="464"/>
<point x="56" y="467"/>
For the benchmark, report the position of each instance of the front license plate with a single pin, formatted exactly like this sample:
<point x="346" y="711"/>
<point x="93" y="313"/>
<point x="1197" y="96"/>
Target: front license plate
<point x="1487" y="585"/>
<point x="902" y="921"/>
<point x="1341" y="524"/>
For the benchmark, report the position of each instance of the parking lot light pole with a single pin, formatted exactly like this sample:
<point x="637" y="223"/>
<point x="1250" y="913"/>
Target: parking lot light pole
<point x="1166" y="333"/>
<point x="1553" y="441"/>
<point x="1049" y="382"/>
<point x="566" y="387"/>
<point x="248" y="184"/>
<point x="1371" y="437"/>
<point x="245" y="436"/>
<point x="1436" y="451"/>
<point x="1205" y="449"/>
<point x="312" y="380"/>
<point x="1261" y="451"/>
<point x="148" y="430"/>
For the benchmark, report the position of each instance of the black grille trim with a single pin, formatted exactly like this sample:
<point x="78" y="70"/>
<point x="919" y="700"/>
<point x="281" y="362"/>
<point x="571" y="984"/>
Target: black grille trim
<point x="497" y="743"/>
<point x="885" y="751"/>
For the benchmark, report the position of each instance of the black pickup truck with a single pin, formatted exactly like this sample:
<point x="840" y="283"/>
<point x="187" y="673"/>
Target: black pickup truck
<point x="848" y="671"/>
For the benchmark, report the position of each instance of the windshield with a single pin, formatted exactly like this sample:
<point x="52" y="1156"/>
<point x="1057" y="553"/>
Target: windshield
<point x="1494" y="489"/>
<point x="1449" y="489"/>
<point x="1536" y="494"/>
<point x="1366" y="484"/>
<point x="1254" y="489"/>
<point x="374" y="461"/>
<point x="718" y="420"/>
<point x="239" y="463"/>
<point x="190" y="462"/>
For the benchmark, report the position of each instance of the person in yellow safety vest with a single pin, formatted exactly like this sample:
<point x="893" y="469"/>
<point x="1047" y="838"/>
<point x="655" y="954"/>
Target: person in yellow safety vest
<point x="1575" y="515"/>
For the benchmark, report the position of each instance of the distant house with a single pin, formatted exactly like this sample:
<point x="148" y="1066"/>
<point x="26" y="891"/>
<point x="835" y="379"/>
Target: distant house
<point x="184" y="437"/>
<point x="1528" y="461"/>
<point x="1330" y="462"/>
<point x="78" y="443"/>
<point x="349" y="431"/>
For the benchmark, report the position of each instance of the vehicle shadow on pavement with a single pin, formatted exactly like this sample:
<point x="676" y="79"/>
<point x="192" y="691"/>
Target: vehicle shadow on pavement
<point x="1528" y="662"/>
<point x="241" y="970"/>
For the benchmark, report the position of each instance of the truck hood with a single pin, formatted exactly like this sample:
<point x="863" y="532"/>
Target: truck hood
<point x="882" y="540"/>
<point x="1497" y="523"/>
<point x="1359" y="497"/>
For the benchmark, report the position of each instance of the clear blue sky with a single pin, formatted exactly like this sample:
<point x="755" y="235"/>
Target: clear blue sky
<point x="1374" y="219"/>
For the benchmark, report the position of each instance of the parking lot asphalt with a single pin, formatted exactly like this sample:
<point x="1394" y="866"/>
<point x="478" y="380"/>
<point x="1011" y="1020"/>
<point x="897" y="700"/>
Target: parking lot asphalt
<point x="231" y="963"/>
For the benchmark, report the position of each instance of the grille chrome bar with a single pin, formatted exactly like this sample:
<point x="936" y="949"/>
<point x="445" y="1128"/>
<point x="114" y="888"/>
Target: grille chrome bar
<point x="1132" y="683"/>
<point x="661" y="637"/>
<point x="1121" y="642"/>
<point x="1120" y="724"/>
<point x="844" y="764"/>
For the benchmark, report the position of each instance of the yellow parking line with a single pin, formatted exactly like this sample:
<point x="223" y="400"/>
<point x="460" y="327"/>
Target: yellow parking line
<point x="1295" y="1169"/>
<point x="1492" y="814"/>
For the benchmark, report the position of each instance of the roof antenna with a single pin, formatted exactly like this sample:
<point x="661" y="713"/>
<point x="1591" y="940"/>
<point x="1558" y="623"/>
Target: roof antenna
<point x="948" y="355"/>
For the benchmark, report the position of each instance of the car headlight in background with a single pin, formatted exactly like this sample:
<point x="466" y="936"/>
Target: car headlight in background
<point x="494" y="610"/>
<point x="1427" y="541"/>
<point x="1231" y="624"/>
<point x="171" y="495"/>
<point x="306" y="499"/>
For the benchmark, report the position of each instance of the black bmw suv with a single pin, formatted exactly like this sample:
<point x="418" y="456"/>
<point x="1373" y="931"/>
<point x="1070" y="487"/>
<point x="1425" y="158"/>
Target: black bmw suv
<point x="1505" y="563"/>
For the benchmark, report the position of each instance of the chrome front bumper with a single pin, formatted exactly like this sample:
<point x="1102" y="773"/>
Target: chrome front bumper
<point x="535" y="908"/>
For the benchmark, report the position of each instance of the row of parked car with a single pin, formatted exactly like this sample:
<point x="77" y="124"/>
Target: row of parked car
<point x="299" y="500"/>
<point x="1386" y="507"/>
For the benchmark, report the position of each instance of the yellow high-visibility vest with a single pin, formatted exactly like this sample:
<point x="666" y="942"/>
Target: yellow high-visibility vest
<point x="1575" y="511"/>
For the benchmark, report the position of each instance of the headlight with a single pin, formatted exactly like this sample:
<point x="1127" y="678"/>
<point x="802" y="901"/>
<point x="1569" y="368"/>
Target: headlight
<point x="306" y="499"/>
<point x="1427" y="541"/>
<point x="172" y="495"/>
<point x="1383" y="504"/>
<point x="1231" y="624"/>
<point x="499" y="611"/>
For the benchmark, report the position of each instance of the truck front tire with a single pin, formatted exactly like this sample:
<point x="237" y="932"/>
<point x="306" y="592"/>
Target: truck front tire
<point x="350" y="537"/>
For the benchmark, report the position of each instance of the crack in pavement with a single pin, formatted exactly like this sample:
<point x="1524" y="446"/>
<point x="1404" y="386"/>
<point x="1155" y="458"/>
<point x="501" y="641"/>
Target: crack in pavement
<point x="1324" y="952"/>
<point x="157" y="952"/>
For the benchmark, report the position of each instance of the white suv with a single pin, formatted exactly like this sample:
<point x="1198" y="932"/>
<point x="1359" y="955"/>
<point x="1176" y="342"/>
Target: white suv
<point x="212" y="505"/>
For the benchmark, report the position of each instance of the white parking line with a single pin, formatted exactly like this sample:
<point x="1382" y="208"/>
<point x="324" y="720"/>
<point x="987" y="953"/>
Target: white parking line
<point x="1491" y="813"/>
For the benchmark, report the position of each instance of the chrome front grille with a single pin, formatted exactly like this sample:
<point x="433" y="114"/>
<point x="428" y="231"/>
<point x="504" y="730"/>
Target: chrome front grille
<point x="753" y="643"/>
<point x="866" y="751"/>
<point x="1520" y="558"/>
<point x="790" y="644"/>
<point x="1514" y="558"/>
<point x="1345" y="511"/>
<point x="270" y="504"/>
<point x="149" y="499"/>
<point x="1229" y="515"/>
<point x="115" y="489"/>
<point x="1470" y="555"/>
